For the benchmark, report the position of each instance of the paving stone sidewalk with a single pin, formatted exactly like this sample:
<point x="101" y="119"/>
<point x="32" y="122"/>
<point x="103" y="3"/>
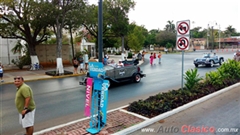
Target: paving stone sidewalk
<point x="116" y="120"/>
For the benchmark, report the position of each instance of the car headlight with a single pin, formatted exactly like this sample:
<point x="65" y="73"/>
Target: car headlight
<point x="207" y="59"/>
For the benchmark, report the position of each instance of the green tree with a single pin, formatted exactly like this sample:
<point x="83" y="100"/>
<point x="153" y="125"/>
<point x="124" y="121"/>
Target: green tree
<point x="74" y="20"/>
<point x="26" y="20"/>
<point x="151" y="37"/>
<point x="170" y="27"/>
<point x="230" y="31"/>
<point x="136" y="38"/>
<point x="60" y="10"/>
<point x="165" y="37"/>
<point x="115" y="18"/>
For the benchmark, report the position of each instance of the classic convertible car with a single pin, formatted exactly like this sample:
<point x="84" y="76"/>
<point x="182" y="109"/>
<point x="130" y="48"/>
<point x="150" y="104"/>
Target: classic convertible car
<point x="208" y="60"/>
<point x="130" y="72"/>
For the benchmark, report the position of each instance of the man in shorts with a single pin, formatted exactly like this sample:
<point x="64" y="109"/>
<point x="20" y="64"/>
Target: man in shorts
<point x="25" y="104"/>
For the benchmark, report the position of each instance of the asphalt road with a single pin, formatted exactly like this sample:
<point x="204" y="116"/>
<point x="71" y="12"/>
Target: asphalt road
<point x="62" y="100"/>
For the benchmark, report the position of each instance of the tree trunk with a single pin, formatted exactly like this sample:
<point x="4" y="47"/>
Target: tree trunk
<point x="71" y="38"/>
<point x="59" y="69"/>
<point x="34" y="60"/>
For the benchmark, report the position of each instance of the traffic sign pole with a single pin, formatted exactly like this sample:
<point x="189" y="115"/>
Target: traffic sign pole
<point x="182" y="42"/>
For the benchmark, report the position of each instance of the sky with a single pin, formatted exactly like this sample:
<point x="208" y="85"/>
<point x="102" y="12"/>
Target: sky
<point x="154" y="14"/>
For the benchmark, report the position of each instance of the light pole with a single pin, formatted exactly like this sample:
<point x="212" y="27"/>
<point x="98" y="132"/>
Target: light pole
<point x="211" y="24"/>
<point x="207" y="35"/>
<point x="219" y="37"/>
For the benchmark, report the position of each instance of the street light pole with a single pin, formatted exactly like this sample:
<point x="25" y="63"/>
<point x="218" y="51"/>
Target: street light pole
<point x="219" y="37"/>
<point x="207" y="36"/>
<point x="212" y="24"/>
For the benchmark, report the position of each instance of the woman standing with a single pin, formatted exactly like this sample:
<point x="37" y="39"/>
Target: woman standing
<point x="151" y="59"/>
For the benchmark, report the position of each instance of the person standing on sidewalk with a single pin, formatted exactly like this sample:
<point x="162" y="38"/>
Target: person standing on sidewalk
<point x="25" y="104"/>
<point x="159" y="57"/>
<point x="1" y="72"/>
<point x="80" y="60"/>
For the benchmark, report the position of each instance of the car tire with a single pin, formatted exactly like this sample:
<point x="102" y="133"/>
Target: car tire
<point x="196" y="65"/>
<point x="136" y="78"/>
<point x="220" y="62"/>
<point x="211" y="64"/>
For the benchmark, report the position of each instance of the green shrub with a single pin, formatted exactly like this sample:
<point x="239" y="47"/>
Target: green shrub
<point x="192" y="78"/>
<point x="118" y="53"/>
<point x="130" y="55"/>
<point x="24" y="60"/>
<point x="226" y="75"/>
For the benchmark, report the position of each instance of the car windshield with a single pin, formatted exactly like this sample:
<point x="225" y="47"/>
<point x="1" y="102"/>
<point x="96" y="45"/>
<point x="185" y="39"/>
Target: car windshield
<point x="107" y="67"/>
<point x="206" y="55"/>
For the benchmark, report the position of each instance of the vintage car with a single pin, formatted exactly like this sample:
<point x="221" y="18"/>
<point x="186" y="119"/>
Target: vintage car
<point x="208" y="60"/>
<point x="130" y="72"/>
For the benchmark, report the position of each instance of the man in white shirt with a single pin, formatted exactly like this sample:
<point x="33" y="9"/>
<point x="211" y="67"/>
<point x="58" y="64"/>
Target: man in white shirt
<point x="120" y="64"/>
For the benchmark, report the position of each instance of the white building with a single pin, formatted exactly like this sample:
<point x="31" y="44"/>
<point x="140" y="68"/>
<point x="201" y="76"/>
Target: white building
<point x="6" y="55"/>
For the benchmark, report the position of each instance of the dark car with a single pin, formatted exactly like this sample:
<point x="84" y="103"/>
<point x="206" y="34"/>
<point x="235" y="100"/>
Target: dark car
<point x="208" y="60"/>
<point x="130" y="72"/>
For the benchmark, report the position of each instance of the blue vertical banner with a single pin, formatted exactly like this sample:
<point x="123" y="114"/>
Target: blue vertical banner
<point x="104" y="100"/>
<point x="99" y="97"/>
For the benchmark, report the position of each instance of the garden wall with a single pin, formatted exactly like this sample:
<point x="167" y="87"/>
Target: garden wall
<point x="47" y="54"/>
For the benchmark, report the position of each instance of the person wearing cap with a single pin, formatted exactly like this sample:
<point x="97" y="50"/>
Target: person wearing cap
<point x="120" y="64"/>
<point x="25" y="104"/>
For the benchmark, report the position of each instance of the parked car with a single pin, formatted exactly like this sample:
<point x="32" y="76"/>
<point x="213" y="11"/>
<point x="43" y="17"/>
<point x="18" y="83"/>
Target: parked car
<point x="208" y="60"/>
<point x="130" y="72"/>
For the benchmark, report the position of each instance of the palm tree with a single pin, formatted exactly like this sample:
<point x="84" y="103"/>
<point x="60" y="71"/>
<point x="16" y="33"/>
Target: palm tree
<point x="230" y="31"/>
<point x="170" y="27"/>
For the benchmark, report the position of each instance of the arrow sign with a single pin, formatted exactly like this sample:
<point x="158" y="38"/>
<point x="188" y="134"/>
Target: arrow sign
<point x="182" y="43"/>
<point x="183" y="28"/>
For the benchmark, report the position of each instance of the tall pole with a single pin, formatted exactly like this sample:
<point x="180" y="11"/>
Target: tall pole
<point x="207" y="36"/>
<point x="212" y="40"/>
<point x="219" y="37"/>
<point x="100" y="31"/>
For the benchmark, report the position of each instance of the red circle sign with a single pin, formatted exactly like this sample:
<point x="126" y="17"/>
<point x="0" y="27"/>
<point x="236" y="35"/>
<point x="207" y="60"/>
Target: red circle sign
<point x="183" y="28"/>
<point x="182" y="43"/>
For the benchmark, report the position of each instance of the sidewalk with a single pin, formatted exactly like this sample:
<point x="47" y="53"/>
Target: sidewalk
<point x="32" y="75"/>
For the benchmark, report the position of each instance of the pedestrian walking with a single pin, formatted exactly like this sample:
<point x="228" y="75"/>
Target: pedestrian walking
<point x="80" y="60"/>
<point x="1" y="72"/>
<point x="75" y="65"/>
<point x="143" y="53"/>
<point x="159" y="57"/>
<point x="25" y="104"/>
<point x="86" y="59"/>
<point x="151" y="59"/>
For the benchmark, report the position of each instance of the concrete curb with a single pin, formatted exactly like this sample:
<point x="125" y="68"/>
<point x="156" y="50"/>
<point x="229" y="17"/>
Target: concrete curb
<point x="174" y="111"/>
<point x="47" y="78"/>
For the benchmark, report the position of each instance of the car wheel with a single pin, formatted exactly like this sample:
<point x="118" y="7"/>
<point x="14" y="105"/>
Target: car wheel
<point x="196" y="65"/>
<point x="211" y="64"/>
<point x="137" y="78"/>
<point x="220" y="61"/>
